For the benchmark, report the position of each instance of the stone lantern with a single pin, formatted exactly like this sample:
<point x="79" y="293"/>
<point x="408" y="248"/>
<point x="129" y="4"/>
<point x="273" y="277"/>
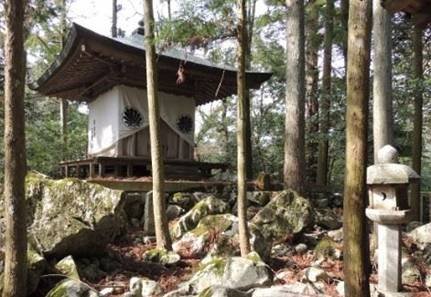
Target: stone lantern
<point x="388" y="185"/>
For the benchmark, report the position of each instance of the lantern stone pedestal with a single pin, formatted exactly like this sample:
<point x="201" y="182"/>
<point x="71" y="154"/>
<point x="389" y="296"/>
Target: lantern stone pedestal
<point x="388" y="184"/>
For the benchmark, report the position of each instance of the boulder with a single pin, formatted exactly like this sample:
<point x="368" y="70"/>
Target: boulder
<point x="232" y="272"/>
<point x="71" y="216"/>
<point x="161" y="256"/>
<point x="68" y="267"/>
<point x="174" y="211"/>
<point x="422" y="234"/>
<point x="301" y="248"/>
<point x="286" y="214"/>
<point x="194" y="243"/>
<point x="328" y="248"/>
<point x="184" y="200"/>
<point x="219" y="291"/>
<point x="143" y="287"/>
<point x="288" y="290"/>
<point x="336" y="235"/>
<point x="36" y="267"/>
<point x="89" y="269"/>
<point x="260" y="198"/>
<point x="410" y="272"/>
<point x="207" y="206"/>
<point x="327" y="218"/>
<point x="315" y="274"/>
<point x="72" y="288"/>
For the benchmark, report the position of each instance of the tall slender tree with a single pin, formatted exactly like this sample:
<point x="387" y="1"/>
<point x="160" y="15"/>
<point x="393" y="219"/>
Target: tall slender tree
<point x="114" y="28"/>
<point x="382" y="80"/>
<point x="242" y="128"/>
<point x="160" y="220"/>
<point x="325" y="103"/>
<point x="64" y="104"/>
<point x="356" y="256"/>
<point x="418" y="119"/>
<point x="344" y="11"/>
<point x="250" y="15"/>
<point x="312" y="43"/>
<point x="294" y="156"/>
<point x="15" y="271"/>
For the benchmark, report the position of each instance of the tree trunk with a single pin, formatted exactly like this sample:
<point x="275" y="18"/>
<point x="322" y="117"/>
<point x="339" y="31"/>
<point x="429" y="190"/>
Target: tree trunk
<point x="64" y="105"/>
<point x="247" y="102"/>
<point x="325" y="105"/>
<point x="382" y="81"/>
<point x="344" y="21"/>
<point x="160" y="220"/>
<point x="311" y="88"/>
<point x="114" y="19"/>
<point x="417" y="121"/>
<point x="244" y="241"/>
<point x="356" y="255"/>
<point x="294" y="155"/>
<point x="15" y="270"/>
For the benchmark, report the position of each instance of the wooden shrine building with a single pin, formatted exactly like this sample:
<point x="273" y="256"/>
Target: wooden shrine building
<point x="109" y="75"/>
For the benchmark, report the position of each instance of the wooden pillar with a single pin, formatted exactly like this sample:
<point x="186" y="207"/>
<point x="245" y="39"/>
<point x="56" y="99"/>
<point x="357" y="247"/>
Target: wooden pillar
<point x="117" y="170"/>
<point x="101" y="169"/>
<point x="91" y="170"/>
<point x="129" y="170"/>
<point x="66" y="170"/>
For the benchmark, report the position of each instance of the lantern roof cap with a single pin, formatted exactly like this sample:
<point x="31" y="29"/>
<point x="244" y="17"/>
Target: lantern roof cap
<point x="388" y="171"/>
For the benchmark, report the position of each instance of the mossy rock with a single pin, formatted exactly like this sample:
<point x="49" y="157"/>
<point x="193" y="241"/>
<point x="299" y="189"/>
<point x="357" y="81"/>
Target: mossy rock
<point x="71" y="216"/>
<point x="68" y="267"/>
<point x="230" y="272"/>
<point x="161" y="256"/>
<point x="286" y="214"/>
<point x="327" y="248"/>
<point x="72" y="288"/>
<point x="207" y="235"/>
<point x="208" y="206"/>
<point x="184" y="200"/>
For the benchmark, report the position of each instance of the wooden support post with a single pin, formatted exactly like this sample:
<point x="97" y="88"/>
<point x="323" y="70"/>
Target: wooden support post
<point x="66" y="170"/>
<point x="129" y="170"/>
<point x="91" y="169"/>
<point x="101" y="170"/>
<point x="116" y="170"/>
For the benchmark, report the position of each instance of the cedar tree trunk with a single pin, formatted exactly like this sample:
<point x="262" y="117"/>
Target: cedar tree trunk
<point x="294" y="155"/>
<point x="325" y="105"/>
<point x="382" y="80"/>
<point x="160" y="219"/>
<point x="244" y="241"/>
<point x="15" y="271"/>
<point x="356" y="255"/>
<point x="417" y="120"/>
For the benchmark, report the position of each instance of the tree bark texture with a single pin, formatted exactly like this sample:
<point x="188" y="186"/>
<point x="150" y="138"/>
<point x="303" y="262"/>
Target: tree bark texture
<point x="247" y="102"/>
<point x="244" y="241"/>
<point x="64" y="105"/>
<point x="356" y="252"/>
<point x="311" y="88"/>
<point x="325" y="104"/>
<point x="15" y="270"/>
<point x="114" y="19"/>
<point x="344" y="20"/>
<point x="417" y="120"/>
<point x="160" y="219"/>
<point x="294" y="155"/>
<point x="382" y="80"/>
